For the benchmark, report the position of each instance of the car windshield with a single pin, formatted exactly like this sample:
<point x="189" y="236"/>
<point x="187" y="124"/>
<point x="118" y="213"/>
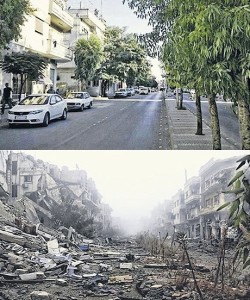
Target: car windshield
<point x="35" y="100"/>
<point x="75" y="95"/>
<point x="121" y="90"/>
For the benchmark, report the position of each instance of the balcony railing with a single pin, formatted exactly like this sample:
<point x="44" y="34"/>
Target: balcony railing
<point x="60" y="17"/>
<point x="192" y="198"/>
<point x="58" y="51"/>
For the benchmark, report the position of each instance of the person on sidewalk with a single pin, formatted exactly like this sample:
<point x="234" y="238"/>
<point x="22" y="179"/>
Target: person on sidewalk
<point x="51" y="90"/>
<point x="6" y="97"/>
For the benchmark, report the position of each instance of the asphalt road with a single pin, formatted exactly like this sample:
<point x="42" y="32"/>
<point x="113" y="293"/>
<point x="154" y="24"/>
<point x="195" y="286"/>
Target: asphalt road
<point x="229" y="123"/>
<point x="119" y="124"/>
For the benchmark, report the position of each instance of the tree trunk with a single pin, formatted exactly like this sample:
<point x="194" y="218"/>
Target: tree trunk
<point x="215" y="125"/>
<point x="244" y="119"/>
<point x="198" y="114"/>
<point x="177" y="98"/>
<point x="23" y="80"/>
<point x="180" y="99"/>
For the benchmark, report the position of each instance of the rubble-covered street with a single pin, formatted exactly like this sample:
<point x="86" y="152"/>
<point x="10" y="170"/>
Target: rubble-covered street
<point x="37" y="262"/>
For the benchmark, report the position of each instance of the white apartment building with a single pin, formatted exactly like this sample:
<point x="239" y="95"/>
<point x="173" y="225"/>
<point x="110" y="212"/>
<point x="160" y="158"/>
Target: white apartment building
<point x="85" y="24"/>
<point x="43" y="33"/>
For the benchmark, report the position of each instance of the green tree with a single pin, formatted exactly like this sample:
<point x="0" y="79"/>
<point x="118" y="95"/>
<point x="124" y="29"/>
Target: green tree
<point x="27" y="65"/>
<point x="12" y="16"/>
<point x="88" y="55"/>
<point x="239" y="208"/>
<point x="218" y="35"/>
<point x="124" y="58"/>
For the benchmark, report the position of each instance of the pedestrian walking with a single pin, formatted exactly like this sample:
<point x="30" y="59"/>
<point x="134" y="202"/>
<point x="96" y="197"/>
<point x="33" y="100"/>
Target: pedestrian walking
<point x="6" y="97"/>
<point x="50" y="90"/>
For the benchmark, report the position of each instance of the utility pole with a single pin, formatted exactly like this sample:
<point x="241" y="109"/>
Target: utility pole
<point x="101" y="8"/>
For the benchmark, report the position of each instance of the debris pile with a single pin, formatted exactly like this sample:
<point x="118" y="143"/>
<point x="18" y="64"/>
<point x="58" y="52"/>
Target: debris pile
<point x="39" y="263"/>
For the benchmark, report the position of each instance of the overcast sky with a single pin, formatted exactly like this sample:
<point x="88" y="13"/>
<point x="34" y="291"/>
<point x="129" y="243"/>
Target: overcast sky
<point x="133" y="182"/>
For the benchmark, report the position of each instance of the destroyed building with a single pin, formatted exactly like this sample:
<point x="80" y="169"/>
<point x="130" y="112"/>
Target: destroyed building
<point x="44" y="186"/>
<point x="194" y="208"/>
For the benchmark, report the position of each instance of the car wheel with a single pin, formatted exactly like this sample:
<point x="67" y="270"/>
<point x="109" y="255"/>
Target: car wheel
<point x="64" y="115"/>
<point x="82" y="108"/>
<point x="90" y="104"/>
<point x="46" y="120"/>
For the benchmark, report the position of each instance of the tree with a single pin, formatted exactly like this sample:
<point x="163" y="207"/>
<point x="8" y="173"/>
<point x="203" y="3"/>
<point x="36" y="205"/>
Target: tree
<point x="28" y="65"/>
<point x="88" y="54"/>
<point x="218" y="35"/>
<point x="239" y="208"/>
<point x="124" y="58"/>
<point x="12" y="16"/>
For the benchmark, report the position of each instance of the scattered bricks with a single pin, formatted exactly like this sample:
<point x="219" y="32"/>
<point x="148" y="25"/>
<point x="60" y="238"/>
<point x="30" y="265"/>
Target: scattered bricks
<point x="40" y="295"/>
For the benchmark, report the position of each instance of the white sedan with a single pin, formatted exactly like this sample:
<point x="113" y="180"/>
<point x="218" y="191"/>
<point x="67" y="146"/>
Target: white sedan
<point x="38" y="109"/>
<point x="79" y="101"/>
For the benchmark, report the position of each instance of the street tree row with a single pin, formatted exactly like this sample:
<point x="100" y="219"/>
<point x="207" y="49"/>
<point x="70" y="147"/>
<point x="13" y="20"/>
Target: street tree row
<point x="204" y="45"/>
<point x="120" y="57"/>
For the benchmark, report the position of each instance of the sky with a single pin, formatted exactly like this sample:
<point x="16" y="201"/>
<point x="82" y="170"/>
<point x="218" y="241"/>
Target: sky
<point x="134" y="182"/>
<point x="118" y="14"/>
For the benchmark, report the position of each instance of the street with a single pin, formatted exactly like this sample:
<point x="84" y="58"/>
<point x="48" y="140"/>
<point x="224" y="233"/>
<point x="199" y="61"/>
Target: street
<point x="228" y="121"/>
<point x="129" y="124"/>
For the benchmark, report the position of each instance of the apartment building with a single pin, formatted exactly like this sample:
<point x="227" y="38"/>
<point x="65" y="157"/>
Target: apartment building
<point x="85" y="24"/>
<point x="192" y="199"/>
<point x="195" y="207"/>
<point x="214" y="178"/>
<point x="179" y="211"/>
<point x="43" y="33"/>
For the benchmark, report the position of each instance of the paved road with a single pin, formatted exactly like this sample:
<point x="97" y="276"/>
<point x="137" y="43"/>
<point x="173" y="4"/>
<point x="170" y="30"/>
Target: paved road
<point x="228" y="121"/>
<point x="132" y="123"/>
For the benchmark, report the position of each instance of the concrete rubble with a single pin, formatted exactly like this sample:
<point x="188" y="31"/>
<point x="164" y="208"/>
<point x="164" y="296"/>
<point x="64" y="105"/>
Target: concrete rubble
<point x="42" y="263"/>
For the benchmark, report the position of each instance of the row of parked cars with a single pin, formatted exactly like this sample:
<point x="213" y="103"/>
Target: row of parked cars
<point x="126" y="92"/>
<point x="41" y="108"/>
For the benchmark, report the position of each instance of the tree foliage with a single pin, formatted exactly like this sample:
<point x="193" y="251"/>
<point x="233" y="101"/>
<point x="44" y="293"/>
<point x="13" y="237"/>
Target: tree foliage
<point x="239" y="208"/>
<point x="206" y="45"/>
<point x="28" y="65"/>
<point x="124" y="58"/>
<point x="88" y="54"/>
<point x="12" y="16"/>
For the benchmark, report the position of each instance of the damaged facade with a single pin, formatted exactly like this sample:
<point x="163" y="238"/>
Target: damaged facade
<point x="45" y="186"/>
<point x="193" y="209"/>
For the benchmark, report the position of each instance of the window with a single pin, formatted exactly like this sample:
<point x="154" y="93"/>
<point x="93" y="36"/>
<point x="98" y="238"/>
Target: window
<point x="28" y="178"/>
<point x="38" y="26"/>
<point x="14" y="190"/>
<point x="14" y="167"/>
<point x="53" y="100"/>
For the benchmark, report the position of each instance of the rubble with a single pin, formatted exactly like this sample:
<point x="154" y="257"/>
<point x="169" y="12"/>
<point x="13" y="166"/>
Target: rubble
<point x="60" y="264"/>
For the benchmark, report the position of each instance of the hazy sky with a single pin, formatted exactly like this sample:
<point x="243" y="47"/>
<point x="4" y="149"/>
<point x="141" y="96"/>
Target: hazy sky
<point x="133" y="182"/>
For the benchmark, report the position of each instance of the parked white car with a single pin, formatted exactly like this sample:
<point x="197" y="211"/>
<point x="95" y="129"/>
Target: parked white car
<point x="38" y="109"/>
<point x="79" y="101"/>
<point x="143" y="91"/>
<point x="121" y="93"/>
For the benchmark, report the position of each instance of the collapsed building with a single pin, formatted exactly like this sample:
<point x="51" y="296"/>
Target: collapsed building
<point x="43" y="186"/>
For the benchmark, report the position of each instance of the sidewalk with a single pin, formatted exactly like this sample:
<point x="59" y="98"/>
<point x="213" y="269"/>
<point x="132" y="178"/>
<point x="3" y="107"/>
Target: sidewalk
<point x="182" y="127"/>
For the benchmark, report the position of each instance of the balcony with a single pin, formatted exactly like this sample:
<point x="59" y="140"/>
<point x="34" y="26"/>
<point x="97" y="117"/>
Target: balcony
<point x="56" y="49"/>
<point x="192" y="198"/>
<point x="59" y="17"/>
<point x="90" y="19"/>
<point x="209" y="210"/>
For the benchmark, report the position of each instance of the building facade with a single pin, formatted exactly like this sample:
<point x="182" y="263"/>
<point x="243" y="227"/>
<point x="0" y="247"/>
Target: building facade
<point x="85" y="24"/>
<point x="43" y="33"/>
